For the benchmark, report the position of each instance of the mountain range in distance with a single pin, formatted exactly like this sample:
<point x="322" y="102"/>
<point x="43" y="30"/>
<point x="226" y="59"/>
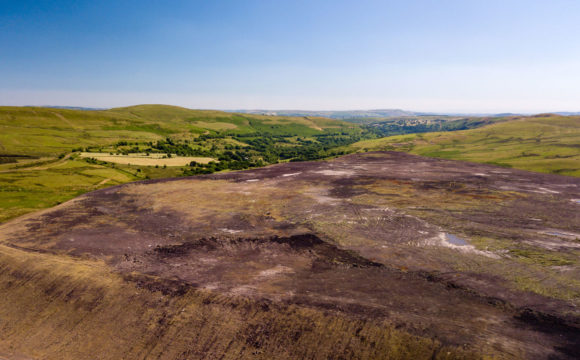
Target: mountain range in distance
<point x="348" y="114"/>
<point x="381" y="113"/>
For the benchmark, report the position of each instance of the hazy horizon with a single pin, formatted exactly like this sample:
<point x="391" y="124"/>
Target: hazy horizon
<point x="446" y="56"/>
<point x="296" y="109"/>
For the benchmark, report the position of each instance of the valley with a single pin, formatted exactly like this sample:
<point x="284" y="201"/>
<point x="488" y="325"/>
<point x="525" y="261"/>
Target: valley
<point x="41" y="147"/>
<point x="99" y="148"/>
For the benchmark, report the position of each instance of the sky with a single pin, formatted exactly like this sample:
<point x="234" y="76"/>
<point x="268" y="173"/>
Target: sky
<point x="484" y="56"/>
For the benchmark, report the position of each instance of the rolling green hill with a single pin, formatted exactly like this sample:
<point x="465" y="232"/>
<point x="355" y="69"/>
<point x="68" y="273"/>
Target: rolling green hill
<point x="543" y="143"/>
<point x="49" y="131"/>
<point x="50" y="155"/>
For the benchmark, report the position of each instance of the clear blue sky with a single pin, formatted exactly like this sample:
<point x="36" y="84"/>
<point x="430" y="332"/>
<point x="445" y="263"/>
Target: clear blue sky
<point x="426" y="55"/>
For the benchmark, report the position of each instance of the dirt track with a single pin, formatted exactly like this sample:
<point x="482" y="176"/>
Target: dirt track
<point x="363" y="235"/>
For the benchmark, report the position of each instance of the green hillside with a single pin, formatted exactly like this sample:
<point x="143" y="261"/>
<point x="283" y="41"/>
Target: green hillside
<point x="543" y="143"/>
<point x="50" y="155"/>
<point x="48" y="131"/>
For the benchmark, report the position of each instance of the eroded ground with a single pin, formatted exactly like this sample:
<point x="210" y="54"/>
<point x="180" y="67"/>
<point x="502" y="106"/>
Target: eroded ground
<point x="478" y="257"/>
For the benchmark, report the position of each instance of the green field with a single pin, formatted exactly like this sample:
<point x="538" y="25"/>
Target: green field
<point x="543" y="143"/>
<point x="37" y="187"/>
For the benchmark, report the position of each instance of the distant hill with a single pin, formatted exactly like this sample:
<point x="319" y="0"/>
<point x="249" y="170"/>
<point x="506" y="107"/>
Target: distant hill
<point x="566" y="113"/>
<point x="545" y="143"/>
<point x="70" y="107"/>
<point x="348" y="114"/>
<point x="377" y="114"/>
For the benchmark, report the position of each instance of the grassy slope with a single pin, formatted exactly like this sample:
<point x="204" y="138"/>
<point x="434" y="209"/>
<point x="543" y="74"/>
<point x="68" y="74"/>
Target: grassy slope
<point x="47" y="132"/>
<point x="39" y="187"/>
<point x="79" y="309"/>
<point x="549" y="144"/>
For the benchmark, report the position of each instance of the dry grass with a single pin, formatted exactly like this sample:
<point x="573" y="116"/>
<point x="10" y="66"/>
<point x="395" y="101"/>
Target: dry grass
<point x="55" y="307"/>
<point x="147" y="160"/>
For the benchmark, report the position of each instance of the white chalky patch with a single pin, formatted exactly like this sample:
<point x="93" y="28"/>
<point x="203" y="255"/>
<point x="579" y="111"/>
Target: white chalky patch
<point x="334" y="172"/>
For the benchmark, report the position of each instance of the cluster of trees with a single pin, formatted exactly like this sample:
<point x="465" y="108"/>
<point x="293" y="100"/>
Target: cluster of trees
<point x="94" y="161"/>
<point x="9" y="158"/>
<point x="169" y="146"/>
<point x="213" y="166"/>
<point x="274" y="148"/>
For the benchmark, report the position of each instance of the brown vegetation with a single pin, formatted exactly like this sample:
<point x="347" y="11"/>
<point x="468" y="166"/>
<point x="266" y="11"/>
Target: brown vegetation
<point x="348" y="258"/>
